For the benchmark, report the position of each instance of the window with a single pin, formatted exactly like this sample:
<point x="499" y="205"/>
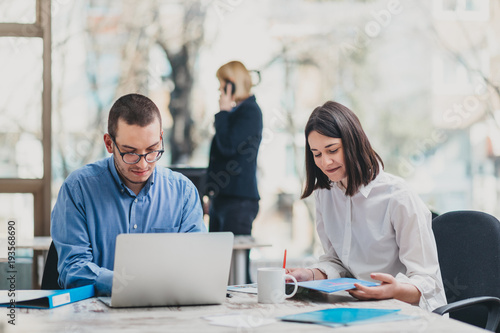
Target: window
<point x="25" y="131"/>
<point x="21" y="109"/>
<point x="459" y="75"/>
<point x="468" y="10"/>
<point x="19" y="11"/>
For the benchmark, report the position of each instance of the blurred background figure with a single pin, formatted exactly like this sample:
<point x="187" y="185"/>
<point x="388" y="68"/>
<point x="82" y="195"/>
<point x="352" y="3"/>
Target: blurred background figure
<point x="231" y="176"/>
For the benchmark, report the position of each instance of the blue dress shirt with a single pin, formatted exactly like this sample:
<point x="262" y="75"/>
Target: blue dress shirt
<point x="94" y="206"/>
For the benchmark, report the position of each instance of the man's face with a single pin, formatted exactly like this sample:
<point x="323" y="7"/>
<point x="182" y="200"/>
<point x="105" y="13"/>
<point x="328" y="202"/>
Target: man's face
<point x="139" y="140"/>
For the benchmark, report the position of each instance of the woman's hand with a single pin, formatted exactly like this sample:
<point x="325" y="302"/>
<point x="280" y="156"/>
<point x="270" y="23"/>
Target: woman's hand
<point x="389" y="288"/>
<point x="226" y="102"/>
<point x="305" y="274"/>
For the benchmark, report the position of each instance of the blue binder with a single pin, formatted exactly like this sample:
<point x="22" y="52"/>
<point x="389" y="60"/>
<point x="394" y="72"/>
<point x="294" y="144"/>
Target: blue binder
<point x="44" y="299"/>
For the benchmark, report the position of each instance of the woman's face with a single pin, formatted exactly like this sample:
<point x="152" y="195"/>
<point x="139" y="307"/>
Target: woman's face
<point x="222" y="86"/>
<point x="329" y="156"/>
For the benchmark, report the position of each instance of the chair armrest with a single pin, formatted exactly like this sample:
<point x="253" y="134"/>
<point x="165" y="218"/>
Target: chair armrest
<point x="492" y="303"/>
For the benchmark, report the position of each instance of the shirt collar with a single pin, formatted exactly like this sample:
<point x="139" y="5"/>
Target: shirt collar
<point x="364" y="190"/>
<point x="251" y="98"/>
<point x="114" y="172"/>
<point x="339" y="186"/>
<point x="119" y="182"/>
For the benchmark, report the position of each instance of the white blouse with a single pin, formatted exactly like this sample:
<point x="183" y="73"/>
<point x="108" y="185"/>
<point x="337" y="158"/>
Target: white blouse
<point x="386" y="228"/>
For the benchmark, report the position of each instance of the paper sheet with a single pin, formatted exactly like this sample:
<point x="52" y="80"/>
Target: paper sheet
<point x="239" y="320"/>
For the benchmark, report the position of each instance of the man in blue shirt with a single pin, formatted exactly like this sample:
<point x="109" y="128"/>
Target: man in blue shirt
<point x="124" y="193"/>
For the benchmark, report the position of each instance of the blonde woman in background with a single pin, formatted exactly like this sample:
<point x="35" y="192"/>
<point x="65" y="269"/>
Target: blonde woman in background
<point x="231" y="176"/>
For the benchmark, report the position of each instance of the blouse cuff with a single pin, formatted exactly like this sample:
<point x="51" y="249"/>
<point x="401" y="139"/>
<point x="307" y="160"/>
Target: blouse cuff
<point x="423" y="303"/>
<point x="327" y="268"/>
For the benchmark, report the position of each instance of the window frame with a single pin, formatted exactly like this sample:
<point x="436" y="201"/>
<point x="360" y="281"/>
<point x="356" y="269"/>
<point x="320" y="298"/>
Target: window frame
<point x="40" y="188"/>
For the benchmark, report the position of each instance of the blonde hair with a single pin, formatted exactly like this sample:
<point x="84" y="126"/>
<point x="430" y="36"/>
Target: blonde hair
<point x="236" y="72"/>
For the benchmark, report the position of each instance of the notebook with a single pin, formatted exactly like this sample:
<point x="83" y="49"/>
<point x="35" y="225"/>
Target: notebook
<point x="345" y="316"/>
<point x="334" y="285"/>
<point x="170" y="269"/>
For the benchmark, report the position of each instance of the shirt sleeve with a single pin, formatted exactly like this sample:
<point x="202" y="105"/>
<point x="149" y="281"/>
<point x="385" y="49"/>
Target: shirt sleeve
<point x="192" y="214"/>
<point x="417" y="249"/>
<point x="71" y="239"/>
<point x="329" y="263"/>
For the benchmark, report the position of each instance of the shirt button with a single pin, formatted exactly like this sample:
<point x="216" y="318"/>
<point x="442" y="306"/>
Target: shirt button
<point x="135" y="200"/>
<point x="135" y="226"/>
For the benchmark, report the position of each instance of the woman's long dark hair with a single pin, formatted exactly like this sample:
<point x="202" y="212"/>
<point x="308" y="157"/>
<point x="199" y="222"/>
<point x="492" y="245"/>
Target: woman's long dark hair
<point x="361" y="161"/>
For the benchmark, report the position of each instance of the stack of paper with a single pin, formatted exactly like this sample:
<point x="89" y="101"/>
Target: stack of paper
<point x="239" y="320"/>
<point x="250" y="288"/>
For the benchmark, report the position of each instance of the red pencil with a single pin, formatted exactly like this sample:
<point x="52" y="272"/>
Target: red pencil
<point x="284" y="260"/>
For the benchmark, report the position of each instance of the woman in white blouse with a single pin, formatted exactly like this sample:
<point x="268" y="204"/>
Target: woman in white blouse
<point x="371" y="224"/>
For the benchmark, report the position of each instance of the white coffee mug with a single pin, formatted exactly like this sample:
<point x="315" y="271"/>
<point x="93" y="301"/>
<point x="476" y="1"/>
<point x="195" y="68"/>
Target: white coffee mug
<point x="271" y="285"/>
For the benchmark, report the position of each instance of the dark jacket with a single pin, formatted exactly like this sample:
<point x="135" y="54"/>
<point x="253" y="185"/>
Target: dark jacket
<point x="232" y="169"/>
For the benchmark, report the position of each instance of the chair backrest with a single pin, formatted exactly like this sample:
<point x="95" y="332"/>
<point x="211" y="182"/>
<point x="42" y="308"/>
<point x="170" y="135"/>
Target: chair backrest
<point x="196" y="175"/>
<point x="50" y="273"/>
<point x="468" y="245"/>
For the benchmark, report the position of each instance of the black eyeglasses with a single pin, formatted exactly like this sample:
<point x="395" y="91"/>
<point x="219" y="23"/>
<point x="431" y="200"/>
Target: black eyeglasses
<point x="133" y="158"/>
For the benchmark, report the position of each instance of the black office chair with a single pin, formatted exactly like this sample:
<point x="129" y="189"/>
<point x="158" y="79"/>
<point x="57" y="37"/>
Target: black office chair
<point x="50" y="273"/>
<point x="196" y="175"/>
<point x="468" y="245"/>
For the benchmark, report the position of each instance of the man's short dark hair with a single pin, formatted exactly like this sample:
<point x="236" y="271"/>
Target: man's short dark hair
<point x="134" y="109"/>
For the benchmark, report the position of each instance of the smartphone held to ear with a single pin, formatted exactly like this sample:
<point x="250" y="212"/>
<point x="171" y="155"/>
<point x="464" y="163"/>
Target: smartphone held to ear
<point x="230" y="84"/>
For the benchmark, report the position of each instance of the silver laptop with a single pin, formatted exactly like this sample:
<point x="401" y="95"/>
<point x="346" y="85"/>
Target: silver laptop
<point x="170" y="269"/>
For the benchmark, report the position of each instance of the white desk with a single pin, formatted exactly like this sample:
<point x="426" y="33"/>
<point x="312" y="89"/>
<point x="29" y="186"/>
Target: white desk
<point x="238" y="261"/>
<point x="41" y="243"/>
<point x="93" y="316"/>
<point x="40" y="246"/>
